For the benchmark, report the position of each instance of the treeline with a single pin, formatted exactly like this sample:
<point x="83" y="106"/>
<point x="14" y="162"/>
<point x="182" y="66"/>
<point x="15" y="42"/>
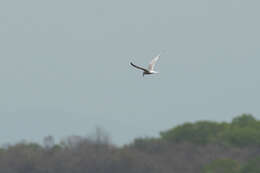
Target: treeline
<point x="200" y="147"/>
<point x="244" y="130"/>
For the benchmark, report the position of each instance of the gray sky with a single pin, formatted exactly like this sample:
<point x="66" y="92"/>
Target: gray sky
<point x="64" y="65"/>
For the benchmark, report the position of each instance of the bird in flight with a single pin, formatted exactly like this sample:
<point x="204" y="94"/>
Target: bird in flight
<point x="150" y="69"/>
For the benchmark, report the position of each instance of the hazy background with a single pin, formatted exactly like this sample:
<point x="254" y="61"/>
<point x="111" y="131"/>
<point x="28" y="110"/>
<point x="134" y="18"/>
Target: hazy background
<point x="64" y="65"/>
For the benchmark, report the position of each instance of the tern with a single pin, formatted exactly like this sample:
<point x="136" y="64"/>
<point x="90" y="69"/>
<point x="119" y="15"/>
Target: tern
<point x="150" y="69"/>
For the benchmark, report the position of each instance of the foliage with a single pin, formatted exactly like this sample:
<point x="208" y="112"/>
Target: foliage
<point x="253" y="166"/>
<point x="201" y="132"/>
<point x="242" y="131"/>
<point x="222" y="166"/>
<point x="244" y="120"/>
<point x="200" y="147"/>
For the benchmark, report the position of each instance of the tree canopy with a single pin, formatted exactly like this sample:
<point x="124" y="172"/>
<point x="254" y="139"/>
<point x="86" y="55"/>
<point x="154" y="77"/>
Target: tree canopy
<point x="199" y="147"/>
<point x="242" y="131"/>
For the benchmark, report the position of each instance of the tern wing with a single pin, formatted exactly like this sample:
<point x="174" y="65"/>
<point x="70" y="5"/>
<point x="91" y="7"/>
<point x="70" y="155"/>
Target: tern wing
<point x="152" y="63"/>
<point x="139" y="67"/>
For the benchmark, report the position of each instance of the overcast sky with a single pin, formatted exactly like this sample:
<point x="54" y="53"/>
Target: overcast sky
<point x="64" y="65"/>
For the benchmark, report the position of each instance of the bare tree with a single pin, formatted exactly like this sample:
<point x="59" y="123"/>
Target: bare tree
<point x="48" y="142"/>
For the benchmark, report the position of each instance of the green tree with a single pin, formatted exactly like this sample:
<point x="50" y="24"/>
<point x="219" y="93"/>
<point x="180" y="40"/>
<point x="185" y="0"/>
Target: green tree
<point x="244" y="120"/>
<point x="201" y="132"/>
<point x="253" y="166"/>
<point x="243" y="131"/>
<point x="222" y="166"/>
